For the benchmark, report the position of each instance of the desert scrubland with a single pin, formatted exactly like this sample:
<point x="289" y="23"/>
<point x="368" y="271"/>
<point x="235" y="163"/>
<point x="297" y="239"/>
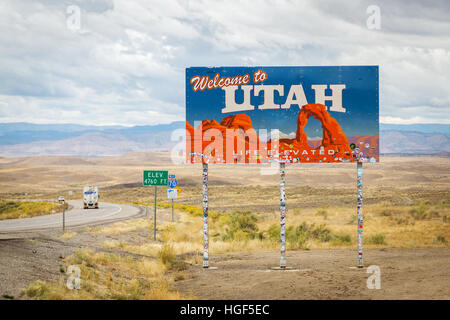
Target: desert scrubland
<point x="406" y="230"/>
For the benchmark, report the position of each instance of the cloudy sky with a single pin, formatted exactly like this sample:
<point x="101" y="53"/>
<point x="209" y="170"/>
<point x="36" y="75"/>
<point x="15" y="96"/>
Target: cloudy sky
<point x="123" y="62"/>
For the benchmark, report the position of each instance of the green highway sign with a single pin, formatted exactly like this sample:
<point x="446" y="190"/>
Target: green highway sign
<point x="155" y="178"/>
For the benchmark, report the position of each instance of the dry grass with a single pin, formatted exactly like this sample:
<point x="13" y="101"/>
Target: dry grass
<point x="403" y="227"/>
<point x="68" y="235"/>
<point x="124" y="227"/>
<point x="110" y="276"/>
<point x="27" y="209"/>
<point x="113" y="244"/>
<point x="420" y="224"/>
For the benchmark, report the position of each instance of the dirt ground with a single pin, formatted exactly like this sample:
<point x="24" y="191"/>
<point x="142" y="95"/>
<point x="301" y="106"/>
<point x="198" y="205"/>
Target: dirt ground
<point x="29" y="256"/>
<point x="323" y="274"/>
<point x="25" y="259"/>
<point x="316" y="274"/>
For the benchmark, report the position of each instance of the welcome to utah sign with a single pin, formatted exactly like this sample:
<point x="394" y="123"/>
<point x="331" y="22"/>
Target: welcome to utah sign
<point x="260" y="114"/>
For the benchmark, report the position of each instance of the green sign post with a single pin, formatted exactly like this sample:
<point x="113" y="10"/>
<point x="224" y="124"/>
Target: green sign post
<point x="155" y="178"/>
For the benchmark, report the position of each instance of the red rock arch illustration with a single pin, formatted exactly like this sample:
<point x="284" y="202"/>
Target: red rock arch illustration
<point x="332" y="131"/>
<point x="334" y="146"/>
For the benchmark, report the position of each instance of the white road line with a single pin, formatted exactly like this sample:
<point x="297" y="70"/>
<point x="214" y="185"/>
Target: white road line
<point x="74" y="217"/>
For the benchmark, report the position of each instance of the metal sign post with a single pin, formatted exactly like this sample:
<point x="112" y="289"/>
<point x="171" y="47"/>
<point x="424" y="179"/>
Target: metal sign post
<point x="154" y="218"/>
<point x="154" y="178"/>
<point x="172" y="184"/>
<point x="64" y="215"/>
<point x="205" y="217"/>
<point x="61" y="200"/>
<point x="282" y="216"/>
<point x="359" y="212"/>
<point x="172" y="210"/>
<point x="172" y="194"/>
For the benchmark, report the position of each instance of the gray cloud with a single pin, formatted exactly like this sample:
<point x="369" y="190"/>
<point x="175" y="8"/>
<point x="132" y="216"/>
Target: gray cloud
<point x="126" y="63"/>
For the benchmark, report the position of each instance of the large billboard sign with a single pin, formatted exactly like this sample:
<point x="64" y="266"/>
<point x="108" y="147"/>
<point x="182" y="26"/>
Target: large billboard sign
<point x="286" y="114"/>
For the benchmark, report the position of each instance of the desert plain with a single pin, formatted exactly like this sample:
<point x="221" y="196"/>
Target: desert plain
<point x="406" y="231"/>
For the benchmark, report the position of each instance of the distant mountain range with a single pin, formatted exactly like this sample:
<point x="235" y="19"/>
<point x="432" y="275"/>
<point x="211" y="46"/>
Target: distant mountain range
<point x="20" y="132"/>
<point x="423" y="128"/>
<point x="27" y="139"/>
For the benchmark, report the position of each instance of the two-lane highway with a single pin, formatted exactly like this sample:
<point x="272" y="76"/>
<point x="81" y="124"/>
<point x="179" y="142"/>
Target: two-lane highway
<point x="77" y="216"/>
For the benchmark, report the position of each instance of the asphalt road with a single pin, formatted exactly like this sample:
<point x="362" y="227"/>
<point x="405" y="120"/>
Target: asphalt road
<point x="76" y="217"/>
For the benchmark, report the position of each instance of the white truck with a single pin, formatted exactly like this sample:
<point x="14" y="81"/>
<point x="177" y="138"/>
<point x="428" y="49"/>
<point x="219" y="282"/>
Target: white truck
<point x="90" y="197"/>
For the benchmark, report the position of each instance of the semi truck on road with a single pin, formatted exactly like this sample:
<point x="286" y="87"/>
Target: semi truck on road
<point x="90" y="197"/>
